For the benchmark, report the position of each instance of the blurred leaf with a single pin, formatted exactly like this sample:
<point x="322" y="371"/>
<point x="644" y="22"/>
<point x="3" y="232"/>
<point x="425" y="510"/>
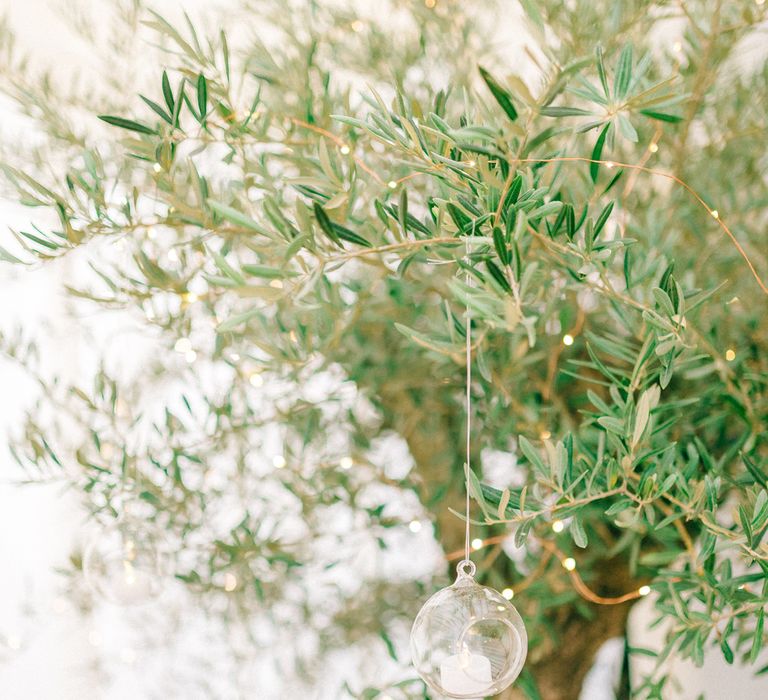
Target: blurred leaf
<point x="500" y="94"/>
<point x="128" y="124"/>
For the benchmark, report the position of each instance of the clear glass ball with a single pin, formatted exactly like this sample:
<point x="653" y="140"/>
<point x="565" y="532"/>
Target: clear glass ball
<point x="468" y="641"/>
<point x="125" y="563"/>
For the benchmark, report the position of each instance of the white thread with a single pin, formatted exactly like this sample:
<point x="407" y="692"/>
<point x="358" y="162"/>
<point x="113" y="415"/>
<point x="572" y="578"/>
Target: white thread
<point x="467" y="464"/>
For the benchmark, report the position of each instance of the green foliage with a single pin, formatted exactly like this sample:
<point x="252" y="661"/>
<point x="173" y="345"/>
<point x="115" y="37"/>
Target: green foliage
<point x="338" y="239"/>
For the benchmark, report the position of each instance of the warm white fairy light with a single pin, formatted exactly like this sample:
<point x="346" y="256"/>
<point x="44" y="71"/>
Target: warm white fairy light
<point x="730" y="354"/>
<point x="558" y="526"/>
<point x="344" y="150"/>
<point x="151" y="234"/>
<point x="508" y="593"/>
<point x="235" y="357"/>
<point x="569" y="563"/>
<point x="173" y="256"/>
<point x="278" y="461"/>
<point x="653" y="148"/>
<point x="190" y="297"/>
<point x="715" y="214"/>
<point x="677" y="47"/>
<point x="358" y="25"/>
<point x="157" y="167"/>
<point x="230" y="582"/>
<point x="477" y="543"/>
<point x="183" y="345"/>
<point x="346" y="463"/>
<point x="610" y="164"/>
<point x="256" y="379"/>
<point x="190" y="356"/>
<point x="545" y="435"/>
<point x="644" y="590"/>
<point x="414" y="526"/>
<point x="430" y="4"/>
<point x="567" y="339"/>
<point x="392" y="185"/>
<point x="276" y="284"/>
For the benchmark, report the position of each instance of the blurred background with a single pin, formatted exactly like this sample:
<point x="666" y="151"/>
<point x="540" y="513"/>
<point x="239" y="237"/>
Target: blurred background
<point x="58" y="644"/>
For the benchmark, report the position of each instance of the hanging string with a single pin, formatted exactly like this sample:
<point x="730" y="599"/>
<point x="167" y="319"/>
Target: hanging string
<point x="467" y="563"/>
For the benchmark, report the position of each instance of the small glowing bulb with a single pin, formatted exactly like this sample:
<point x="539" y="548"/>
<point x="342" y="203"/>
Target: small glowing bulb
<point x="430" y="4"/>
<point x="653" y="148"/>
<point x="256" y="379"/>
<point x="151" y="234"/>
<point x="183" y="345"/>
<point x="358" y="25"/>
<point x="569" y="564"/>
<point x="545" y="435"/>
<point x="715" y="214"/>
<point x="276" y="284"/>
<point x="190" y="356"/>
<point x="508" y="593"/>
<point x="609" y="164"/>
<point x="558" y="526"/>
<point x="392" y="185"/>
<point x="173" y="256"/>
<point x="190" y="297"/>
<point x="644" y="590"/>
<point x="567" y="339"/>
<point x="13" y="641"/>
<point x="471" y="163"/>
<point x="230" y="582"/>
<point x="294" y="338"/>
<point x="677" y="47"/>
<point x="278" y="461"/>
<point x="730" y="355"/>
<point x="344" y="150"/>
<point x="157" y="167"/>
<point x="414" y="526"/>
<point x="235" y="357"/>
<point x="477" y="543"/>
<point x="346" y="463"/>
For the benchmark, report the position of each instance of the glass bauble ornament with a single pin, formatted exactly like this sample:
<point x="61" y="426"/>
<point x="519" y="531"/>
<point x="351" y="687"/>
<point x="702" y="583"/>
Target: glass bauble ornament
<point x="126" y="563"/>
<point x="468" y="641"/>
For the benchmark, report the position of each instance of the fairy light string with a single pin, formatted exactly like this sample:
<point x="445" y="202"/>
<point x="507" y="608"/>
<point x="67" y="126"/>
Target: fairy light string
<point x="714" y="213"/>
<point x="568" y="563"/>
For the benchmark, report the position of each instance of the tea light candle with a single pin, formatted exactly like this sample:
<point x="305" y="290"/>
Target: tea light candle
<point x="465" y="673"/>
